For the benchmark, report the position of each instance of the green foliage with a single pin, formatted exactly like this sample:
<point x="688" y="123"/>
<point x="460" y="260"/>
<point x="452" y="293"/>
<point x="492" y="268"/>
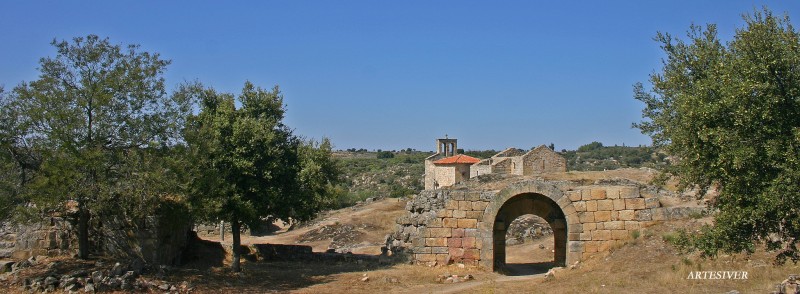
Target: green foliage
<point x="481" y="153"/>
<point x="598" y="157"/>
<point x="91" y="129"/>
<point x="248" y="165"/>
<point x="590" y="147"/>
<point x="729" y="113"/>
<point x="385" y="154"/>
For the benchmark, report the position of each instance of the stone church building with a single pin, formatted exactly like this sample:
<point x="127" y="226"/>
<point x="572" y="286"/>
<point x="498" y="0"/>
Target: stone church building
<point x="446" y="167"/>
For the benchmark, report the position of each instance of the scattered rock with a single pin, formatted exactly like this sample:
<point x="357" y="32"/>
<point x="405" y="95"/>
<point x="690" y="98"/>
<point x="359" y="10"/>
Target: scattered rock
<point x="364" y="279"/>
<point x="97" y="276"/>
<point x="89" y="288"/>
<point x="551" y="274"/>
<point x="118" y="269"/>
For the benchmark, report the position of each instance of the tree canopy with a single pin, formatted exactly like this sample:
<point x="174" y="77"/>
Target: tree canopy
<point x="249" y="165"/>
<point x="88" y="127"/>
<point x="729" y="112"/>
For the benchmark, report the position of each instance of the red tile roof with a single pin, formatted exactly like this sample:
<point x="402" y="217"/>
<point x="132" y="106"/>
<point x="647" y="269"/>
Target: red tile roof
<point x="461" y="158"/>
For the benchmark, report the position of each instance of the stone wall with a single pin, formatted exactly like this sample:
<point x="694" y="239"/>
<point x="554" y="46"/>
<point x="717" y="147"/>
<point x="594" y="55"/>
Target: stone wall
<point x="154" y="241"/>
<point x="461" y="225"/>
<point x="51" y="237"/>
<point x="542" y="160"/>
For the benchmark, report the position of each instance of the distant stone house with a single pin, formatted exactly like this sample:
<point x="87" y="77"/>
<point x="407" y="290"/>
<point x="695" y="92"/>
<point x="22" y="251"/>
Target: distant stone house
<point x="446" y="168"/>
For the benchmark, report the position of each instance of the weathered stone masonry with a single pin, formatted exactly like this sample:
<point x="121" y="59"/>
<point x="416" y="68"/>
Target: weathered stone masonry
<point x="468" y="226"/>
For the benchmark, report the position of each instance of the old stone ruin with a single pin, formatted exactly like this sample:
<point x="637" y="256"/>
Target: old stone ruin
<point x="446" y="168"/>
<point x="465" y="219"/>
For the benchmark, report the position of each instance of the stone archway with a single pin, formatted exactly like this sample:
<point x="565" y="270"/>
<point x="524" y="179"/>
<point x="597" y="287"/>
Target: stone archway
<point x="529" y="203"/>
<point x="537" y="197"/>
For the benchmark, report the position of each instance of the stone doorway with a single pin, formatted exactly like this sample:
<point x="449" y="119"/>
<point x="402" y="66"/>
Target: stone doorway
<point x="529" y="204"/>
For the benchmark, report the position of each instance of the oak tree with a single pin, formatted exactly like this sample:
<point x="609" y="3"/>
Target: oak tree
<point x="729" y="113"/>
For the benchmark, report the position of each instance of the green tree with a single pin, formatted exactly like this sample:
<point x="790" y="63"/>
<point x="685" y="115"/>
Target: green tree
<point x="730" y="113"/>
<point x="249" y="165"/>
<point x="91" y="116"/>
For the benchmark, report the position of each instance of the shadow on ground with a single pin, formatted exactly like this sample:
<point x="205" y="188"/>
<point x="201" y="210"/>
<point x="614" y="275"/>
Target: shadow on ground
<point x="207" y="268"/>
<point x="526" y="269"/>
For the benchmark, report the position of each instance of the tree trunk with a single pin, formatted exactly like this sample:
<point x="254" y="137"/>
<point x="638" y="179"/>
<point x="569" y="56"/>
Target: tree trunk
<point x="83" y="231"/>
<point x="235" y="229"/>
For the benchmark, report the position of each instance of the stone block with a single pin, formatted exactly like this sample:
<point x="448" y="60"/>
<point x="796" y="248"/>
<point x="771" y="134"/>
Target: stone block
<point x="475" y="214"/>
<point x="619" y="234"/>
<point x="422" y="250"/>
<point x="450" y="223"/>
<point x="585" y="236"/>
<point x="631" y="225"/>
<point x="598" y="194"/>
<point x="602" y="216"/>
<point x="612" y="192"/>
<point x="435" y="223"/>
<point x="454" y="242"/>
<point x="601" y="235"/>
<point x="470" y="232"/>
<point x="467" y="223"/>
<point x="574" y="236"/>
<point x="619" y="204"/>
<point x="586" y="217"/>
<point x="469" y="242"/>
<point x="575" y="246"/>
<point x="574" y="195"/>
<point x="457" y="195"/>
<point x="634" y="203"/>
<point x="471" y="254"/>
<point x="451" y="204"/>
<point x="459" y="214"/>
<point x="600" y="226"/>
<point x="456" y="253"/>
<point x="651" y="203"/>
<point x="479" y="205"/>
<point x="589" y="227"/>
<point x="614" y="215"/>
<point x="457" y="233"/>
<point x="439" y="250"/>
<point x="591" y="205"/>
<point x="626" y="215"/>
<point x="606" y="204"/>
<point x="614" y="225"/>
<point x="440" y="233"/>
<point x="465" y="205"/>
<point x="569" y="210"/>
<point x="575" y="229"/>
<point x="473" y="196"/>
<point x="579" y="206"/>
<point x="643" y="215"/>
<point x="590" y="247"/>
<point x="442" y="258"/>
<point x="629" y="192"/>
<point x="586" y="194"/>
<point x="424" y="257"/>
<point x="435" y="242"/>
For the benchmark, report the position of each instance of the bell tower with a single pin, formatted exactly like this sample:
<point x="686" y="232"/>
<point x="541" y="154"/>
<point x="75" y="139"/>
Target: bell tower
<point x="446" y="147"/>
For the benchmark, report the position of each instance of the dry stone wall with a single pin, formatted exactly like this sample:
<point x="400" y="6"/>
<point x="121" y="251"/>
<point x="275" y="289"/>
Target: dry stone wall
<point x="155" y="241"/>
<point x="51" y="237"/>
<point x="458" y="225"/>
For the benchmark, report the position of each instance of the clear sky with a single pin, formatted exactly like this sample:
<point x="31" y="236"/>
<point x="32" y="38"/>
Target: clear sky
<point x="398" y="74"/>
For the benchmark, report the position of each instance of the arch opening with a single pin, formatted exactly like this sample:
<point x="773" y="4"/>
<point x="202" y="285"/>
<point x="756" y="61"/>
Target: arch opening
<point x="519" y="206"/>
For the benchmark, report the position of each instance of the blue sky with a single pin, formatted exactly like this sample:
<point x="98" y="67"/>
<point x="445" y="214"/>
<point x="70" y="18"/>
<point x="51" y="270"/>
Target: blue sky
<point x="398" y="74"/>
